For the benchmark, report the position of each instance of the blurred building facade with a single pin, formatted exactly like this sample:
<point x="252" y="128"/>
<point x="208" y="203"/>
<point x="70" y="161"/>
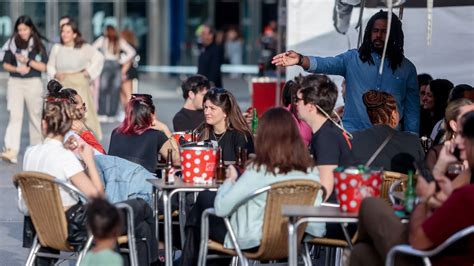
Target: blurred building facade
<point x="166" y="29"/>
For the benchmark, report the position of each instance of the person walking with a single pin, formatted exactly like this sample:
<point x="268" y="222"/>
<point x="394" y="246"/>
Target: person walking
<point x="25" y="59"/>
<point x="75" y="63"/>
<point x="116" y="52"/>
<point x="211" y="57"/>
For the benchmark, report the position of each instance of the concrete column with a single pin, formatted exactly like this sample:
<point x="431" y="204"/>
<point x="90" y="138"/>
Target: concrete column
<point x="158" y="41"/>
<point x="16" y="10"/>
<point x="120" y="12"/>
<point x="85" y="20"/>
<point x="52" y="19"/>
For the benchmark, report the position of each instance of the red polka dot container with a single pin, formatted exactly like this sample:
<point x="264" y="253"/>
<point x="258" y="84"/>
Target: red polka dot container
<point x="188" y="136"/>
<point x="198" y="164"/>
<point x="353" y="185"/>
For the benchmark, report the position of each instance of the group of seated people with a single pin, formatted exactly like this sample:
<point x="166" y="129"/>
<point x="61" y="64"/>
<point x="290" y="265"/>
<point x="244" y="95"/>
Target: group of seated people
<point x="279" y="152"/>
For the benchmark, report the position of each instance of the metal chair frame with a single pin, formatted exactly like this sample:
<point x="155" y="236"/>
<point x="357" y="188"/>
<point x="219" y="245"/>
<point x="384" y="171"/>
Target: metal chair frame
<point x="70" y="188"/>
<point x="426" y="254"/>
<point x="205" y="228"/>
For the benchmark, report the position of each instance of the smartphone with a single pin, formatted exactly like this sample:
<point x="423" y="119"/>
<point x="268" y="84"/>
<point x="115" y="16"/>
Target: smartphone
<point x="425" y="172"/>
<point x="457" y="153"/>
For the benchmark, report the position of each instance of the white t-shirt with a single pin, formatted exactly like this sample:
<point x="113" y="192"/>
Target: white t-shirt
<point x="50" y="157"/>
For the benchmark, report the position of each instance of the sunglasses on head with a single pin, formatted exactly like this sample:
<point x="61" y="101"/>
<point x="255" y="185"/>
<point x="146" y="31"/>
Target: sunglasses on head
<point x="217" y="90"/>
<point x="141" y="95"/>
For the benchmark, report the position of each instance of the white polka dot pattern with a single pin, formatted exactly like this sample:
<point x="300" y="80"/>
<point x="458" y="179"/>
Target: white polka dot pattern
<point x="198" y="165"/>
<point x="352" y="188"/>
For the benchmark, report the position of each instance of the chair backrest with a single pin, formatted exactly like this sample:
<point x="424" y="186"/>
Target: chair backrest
<point x="388" y="179"/>
<point x="274" y="243"/>
<point x="41" y="195"/>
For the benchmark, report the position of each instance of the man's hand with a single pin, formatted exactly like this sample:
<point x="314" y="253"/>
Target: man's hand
<point x="288" y="58"/>
<point x="23" y="70"/>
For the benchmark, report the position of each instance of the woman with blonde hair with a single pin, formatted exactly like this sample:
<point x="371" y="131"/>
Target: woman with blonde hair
<point x="75" y="63"/>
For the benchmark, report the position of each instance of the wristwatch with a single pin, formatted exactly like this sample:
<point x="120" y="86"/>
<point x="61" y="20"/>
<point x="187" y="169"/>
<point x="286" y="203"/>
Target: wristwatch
<point x="301" y="60"/>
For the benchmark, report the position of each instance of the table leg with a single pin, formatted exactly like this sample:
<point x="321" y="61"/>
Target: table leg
<point x="346" y="235"/>
<point x="168" y="234"/>
<point x="182" y="216"/>
<point x="292" y="245"/>
<point x="154" y="196"/>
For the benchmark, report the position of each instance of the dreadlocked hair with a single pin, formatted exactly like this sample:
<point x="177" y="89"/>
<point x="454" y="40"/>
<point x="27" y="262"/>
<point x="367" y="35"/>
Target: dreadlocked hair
<point x="394" y="45"/>
<point x="380" y="106"/>
<point x="58" y="116"/>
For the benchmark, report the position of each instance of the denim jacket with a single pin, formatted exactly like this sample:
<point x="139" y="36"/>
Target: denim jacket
<point x="123" y="179"/>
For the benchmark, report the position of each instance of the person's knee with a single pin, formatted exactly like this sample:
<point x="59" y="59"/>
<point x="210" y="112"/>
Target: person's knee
<point x="372" y="205"/>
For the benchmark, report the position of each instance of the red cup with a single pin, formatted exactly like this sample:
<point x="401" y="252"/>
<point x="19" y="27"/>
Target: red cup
<point x="198" y="164"/>
<point x="188" y="136"/>
<point x="352" y="187"/>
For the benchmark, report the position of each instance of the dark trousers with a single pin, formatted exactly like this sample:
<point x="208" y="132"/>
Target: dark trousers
<point x="379" y="230"/>
<point x="110" y="82"/>
<point x="217" y="229"/>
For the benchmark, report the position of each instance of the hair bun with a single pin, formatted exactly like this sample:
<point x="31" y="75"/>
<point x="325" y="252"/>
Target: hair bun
<point x="54" y="87"/>
<point x="374" y="99"/>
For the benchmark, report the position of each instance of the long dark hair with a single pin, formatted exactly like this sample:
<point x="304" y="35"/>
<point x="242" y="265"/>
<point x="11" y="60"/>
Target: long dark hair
<point x="38" y="46"/>
<point x="112" y="36"/>
<point x="395" y="41"/>
<point x="78" y="41"/>
<point x="138" y="115"/>
<point x="234" y="120"/>
<point x="279" y="146"/>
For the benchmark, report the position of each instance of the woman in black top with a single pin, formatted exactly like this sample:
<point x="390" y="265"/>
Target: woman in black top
<point x="141" y="136"/>
<point x="25" y="59"/>
<point x="224" y="124"/>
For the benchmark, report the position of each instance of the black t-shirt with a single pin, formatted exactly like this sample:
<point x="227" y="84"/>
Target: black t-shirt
<point x="328" y="146"/>
<point x="10" y="59"/>
<point x="399" y="153"/>
<point x="187" y="119"/>
<point x="230" y="140"/>
<point x="141" y="149"/>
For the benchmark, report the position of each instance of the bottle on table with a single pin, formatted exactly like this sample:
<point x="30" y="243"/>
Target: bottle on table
<point x="254" y="121"/>
<point x="219" y="172"/>
<point x="169" y="169"/>
<point x="410" y="195"/>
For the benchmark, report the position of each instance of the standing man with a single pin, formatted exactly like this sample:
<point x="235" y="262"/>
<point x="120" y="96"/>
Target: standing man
<point x="360" y="68"/>
<point x="191" y="115"/>
<point x="211" y="57"/>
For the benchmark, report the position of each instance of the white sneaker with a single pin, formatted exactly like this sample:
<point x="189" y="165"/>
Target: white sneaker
<point x="103" y="118"/>
<point x="9" y="155"/>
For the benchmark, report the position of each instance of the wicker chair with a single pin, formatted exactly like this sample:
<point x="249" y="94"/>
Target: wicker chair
<point x="274" y="244"/>
<point x="389" y="178"/>
<point x="41" y="195"/>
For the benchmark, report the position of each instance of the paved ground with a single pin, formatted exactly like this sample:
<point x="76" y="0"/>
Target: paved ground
<point x="168" y="100"/>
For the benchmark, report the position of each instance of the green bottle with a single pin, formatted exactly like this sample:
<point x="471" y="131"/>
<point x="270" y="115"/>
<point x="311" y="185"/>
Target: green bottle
<point x="254" y="121"/>
<point x="410" y="195"/>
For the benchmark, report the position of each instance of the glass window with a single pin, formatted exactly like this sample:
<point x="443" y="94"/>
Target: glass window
<point x="6" y="23"/>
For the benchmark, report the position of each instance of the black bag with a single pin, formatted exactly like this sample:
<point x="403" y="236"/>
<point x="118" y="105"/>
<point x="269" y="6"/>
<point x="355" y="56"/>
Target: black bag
<point x="76" y="226"/>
